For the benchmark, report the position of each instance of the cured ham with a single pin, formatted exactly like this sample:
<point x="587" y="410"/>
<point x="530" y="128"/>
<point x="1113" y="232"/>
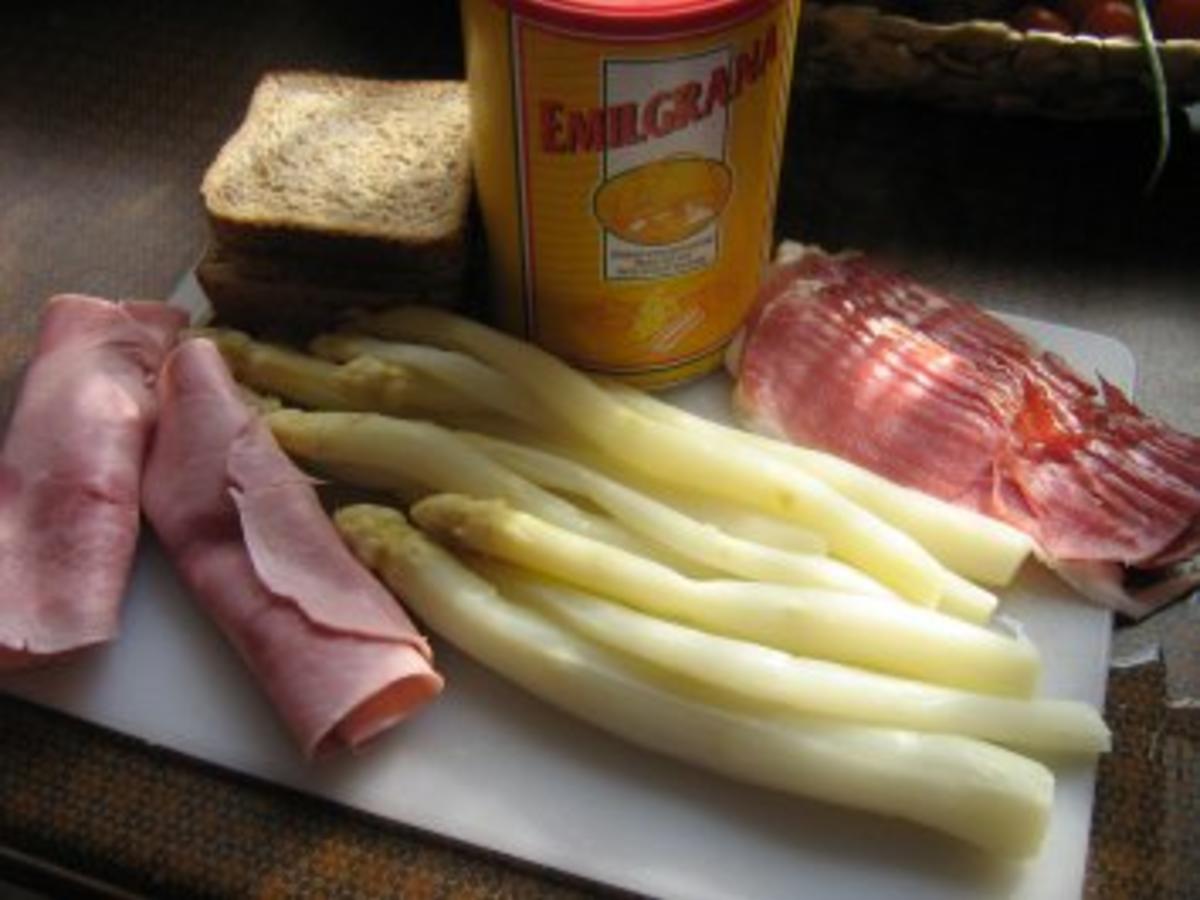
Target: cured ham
<point x="333" y="650"/>
<point x="70" y="473"/>
<point x="934" y="393"/>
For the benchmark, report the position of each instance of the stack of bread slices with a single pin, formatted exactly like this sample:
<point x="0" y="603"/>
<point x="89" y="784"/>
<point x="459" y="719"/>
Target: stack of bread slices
<point x="335" y="194"/>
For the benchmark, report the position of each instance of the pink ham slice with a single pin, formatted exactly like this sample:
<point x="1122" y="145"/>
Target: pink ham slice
<point x="333" y="650"/>
<point x="934" y="393"/>
<point x="70" y="471"/>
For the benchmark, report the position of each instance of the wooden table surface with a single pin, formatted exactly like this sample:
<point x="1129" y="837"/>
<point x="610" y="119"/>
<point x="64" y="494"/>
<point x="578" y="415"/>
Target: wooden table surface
<point x="109" y="115"/>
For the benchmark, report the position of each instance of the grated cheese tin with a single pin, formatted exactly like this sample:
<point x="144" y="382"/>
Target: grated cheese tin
<point x="626" y="163"/>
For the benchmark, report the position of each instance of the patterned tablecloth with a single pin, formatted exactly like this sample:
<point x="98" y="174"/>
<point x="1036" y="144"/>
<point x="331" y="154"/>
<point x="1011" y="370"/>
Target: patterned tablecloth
<point x="109" y="114"/>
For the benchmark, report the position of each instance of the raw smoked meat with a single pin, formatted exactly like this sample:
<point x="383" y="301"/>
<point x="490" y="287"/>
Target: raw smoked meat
<point x="330" y="646"/>
<point x="935" y="393"/>
<point x="70" y="472"/>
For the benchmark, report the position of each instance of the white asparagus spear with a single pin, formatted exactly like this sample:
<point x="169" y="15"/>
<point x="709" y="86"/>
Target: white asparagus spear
<point x="960" y="597"/>
<point x="982" y="794"/>
<point x="456" y="371"/>
<point x="754" y="675"/>
<point x="722" y="467"/>
<point x="385" y="453"/>
<point x="659" y="522"/>
<point x="732" y="518"/>
<point x="969" y="543"/>
<point x="965" y="599"/>
<point x="365" y="383"/>
<point x="882" y="634"/>
<point x="507" y="398"/>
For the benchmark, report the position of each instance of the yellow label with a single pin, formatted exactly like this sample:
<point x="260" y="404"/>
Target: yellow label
<point x="627" y="186"/>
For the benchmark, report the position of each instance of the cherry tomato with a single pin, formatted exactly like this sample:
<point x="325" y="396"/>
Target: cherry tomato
<point x="1113" y="18"/>
<point x="1177" y="19"/>
<point x="1040" y="18"/>
<point x="1077" y="10"/>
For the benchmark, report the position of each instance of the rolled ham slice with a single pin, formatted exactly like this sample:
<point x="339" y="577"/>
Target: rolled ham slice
<point x="70" y="471"/>
<point x="934" y="393"/>
<point x="331" y="647"/>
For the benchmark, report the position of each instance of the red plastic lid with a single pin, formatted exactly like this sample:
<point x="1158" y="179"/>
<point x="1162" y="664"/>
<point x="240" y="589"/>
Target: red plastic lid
<point x="637" y="19"/>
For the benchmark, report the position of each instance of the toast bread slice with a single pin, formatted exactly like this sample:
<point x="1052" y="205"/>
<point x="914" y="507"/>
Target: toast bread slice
<point x="283" y="305"/>
<point x="353" y="169"/>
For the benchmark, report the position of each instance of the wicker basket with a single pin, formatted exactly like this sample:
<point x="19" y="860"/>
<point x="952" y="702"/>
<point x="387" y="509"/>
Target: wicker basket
<point x="983" y="64"/>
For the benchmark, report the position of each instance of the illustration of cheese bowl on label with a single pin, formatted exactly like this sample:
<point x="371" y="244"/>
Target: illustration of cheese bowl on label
<point x="664" y="201"/>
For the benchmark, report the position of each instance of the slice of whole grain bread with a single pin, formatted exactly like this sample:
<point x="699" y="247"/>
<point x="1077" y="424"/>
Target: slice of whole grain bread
<point x="273" y="300"/>
<point x="357" y="169"/>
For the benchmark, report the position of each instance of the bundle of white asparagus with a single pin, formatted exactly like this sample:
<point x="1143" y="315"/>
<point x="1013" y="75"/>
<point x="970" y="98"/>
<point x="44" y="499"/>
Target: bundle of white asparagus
<point x="767" y="611"/>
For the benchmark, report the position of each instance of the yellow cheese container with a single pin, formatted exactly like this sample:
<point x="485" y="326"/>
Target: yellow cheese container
<point x="626" y="162"/>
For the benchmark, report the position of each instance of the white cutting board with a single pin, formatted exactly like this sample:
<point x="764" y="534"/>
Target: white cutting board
<point x="489" y="766"/>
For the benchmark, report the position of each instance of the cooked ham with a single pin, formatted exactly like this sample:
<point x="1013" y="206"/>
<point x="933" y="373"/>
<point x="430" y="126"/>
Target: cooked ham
<point x="332" y="649"/>
<point x="936" y="394"/>
<point x="70" y="471"/>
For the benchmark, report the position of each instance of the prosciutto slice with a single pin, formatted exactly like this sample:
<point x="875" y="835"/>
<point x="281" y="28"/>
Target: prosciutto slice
<point x="934" y="393"/>
<point x="333" y="650"/>
<point x="70" y="471"/>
